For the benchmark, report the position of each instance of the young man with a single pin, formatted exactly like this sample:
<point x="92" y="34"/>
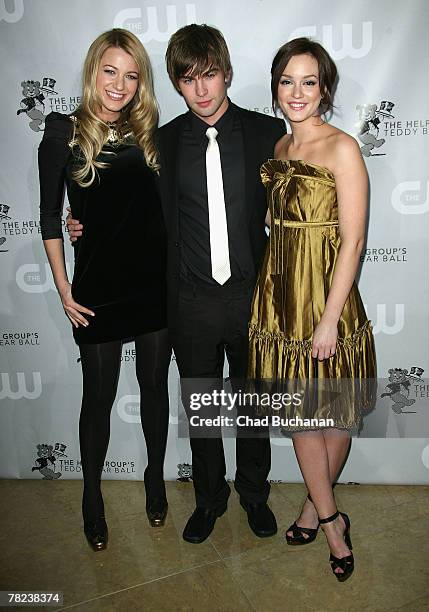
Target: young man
<point x="213" y="262"/>
<point x="214" y="206"/>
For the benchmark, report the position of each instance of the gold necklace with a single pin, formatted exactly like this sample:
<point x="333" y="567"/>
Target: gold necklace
<point x="117" y="137"/>
<point x="114" y="138"/>
<point x="112" y="135"/>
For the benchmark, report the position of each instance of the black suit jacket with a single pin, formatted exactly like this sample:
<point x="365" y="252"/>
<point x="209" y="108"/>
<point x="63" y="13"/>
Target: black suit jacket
<point x="260" y="133"/>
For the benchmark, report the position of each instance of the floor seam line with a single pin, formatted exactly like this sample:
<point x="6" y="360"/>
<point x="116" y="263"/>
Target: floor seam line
<point x="135" y="586"/>
<point x="252" y="607"/>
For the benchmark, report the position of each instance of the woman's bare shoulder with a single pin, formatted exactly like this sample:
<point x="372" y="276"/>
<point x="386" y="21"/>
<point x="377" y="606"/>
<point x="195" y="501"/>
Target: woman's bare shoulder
<point x="342" y="143"/>
<point x="342" y="150"/>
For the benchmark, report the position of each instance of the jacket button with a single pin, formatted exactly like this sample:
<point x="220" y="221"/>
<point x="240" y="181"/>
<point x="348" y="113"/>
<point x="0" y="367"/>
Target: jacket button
<point x="176" y="244"/>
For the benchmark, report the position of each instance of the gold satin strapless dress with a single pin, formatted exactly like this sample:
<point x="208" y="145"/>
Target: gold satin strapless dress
<point x="292" y="289"/>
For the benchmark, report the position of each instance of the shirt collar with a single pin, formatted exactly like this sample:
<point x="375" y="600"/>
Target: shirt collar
<point x="223" y="126"/>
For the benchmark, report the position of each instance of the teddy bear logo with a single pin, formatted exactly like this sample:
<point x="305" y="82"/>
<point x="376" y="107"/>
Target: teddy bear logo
<point x="368" y="126"/>
<point x="33" y="102"/>
<point x="4" y="216"/>
<point x="184" y="472"/>
<point x="46" y="460"/>
<point x="4" y="212"/>
<point x="398" y="388"/>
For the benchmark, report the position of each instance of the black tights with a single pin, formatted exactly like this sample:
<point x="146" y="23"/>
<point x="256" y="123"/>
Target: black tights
<point x="100" y="368"/>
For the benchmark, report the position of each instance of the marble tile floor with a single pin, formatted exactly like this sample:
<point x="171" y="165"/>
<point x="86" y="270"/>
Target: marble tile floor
<point x="43" y="548"/>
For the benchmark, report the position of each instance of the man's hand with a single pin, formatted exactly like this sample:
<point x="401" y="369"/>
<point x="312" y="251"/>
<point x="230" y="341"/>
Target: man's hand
<point x="74" y="228"/>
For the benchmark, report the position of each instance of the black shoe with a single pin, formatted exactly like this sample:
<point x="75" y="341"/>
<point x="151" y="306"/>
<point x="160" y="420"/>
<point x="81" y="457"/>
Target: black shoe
<point x="301" y="535"/>
<point x="201" y="523"/>
<point x="97" y="534"/>
<point x="346" y="564"/>
<point x="156" y="510"/>
<point x="261" y="518"/>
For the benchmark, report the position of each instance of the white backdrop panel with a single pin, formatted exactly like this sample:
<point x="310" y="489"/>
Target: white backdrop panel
<point x="380" y="49"/>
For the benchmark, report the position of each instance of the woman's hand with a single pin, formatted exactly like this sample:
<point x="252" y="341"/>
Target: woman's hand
<point x="324" y="340"/>
<point x="73" y="309"/>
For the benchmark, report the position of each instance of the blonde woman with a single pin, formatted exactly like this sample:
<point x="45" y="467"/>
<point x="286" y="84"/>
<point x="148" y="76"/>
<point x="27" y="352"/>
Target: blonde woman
<point x="105" y="155"/>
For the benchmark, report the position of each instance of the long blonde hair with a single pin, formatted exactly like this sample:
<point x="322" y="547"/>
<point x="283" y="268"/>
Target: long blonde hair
<point x="141" y="114"/>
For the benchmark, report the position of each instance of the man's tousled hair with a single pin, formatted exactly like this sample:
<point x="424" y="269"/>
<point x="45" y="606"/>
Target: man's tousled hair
<point x="194" y="50"/>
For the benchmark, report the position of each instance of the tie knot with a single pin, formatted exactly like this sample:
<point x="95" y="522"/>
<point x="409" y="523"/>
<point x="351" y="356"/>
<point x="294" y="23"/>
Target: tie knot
<point x="211" y="133"/>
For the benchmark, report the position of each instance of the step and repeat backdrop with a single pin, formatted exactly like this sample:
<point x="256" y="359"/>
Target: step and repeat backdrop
<point x="382" y="99"/>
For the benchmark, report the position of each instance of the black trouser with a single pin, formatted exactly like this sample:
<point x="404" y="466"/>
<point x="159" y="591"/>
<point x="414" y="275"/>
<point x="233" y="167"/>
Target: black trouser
<point x="213" y="321"/>
<point x="100" y="368"/>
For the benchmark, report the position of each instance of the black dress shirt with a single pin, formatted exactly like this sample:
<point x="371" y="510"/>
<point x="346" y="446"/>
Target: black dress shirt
<point x="193" y="207"/>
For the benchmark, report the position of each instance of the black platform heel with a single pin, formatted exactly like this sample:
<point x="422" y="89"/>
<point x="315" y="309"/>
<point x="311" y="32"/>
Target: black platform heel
<point x="346" y="564"/>
<point x="156" y="499"/>
<point x="297" y="538"/>
<point x="96" y="533"/>
<point x="156" y="511"/>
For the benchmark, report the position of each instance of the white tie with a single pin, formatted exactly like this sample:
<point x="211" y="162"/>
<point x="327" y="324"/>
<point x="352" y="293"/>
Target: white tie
<point x="221" y="270"/>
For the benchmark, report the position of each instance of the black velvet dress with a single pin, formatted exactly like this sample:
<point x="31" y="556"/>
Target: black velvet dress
<point x="120" y="260"/>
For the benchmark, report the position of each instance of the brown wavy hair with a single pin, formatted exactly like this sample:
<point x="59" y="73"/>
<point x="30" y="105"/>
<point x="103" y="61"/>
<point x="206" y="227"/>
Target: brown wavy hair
<point x="327" y="70"/>
<point x="141" y="113"/>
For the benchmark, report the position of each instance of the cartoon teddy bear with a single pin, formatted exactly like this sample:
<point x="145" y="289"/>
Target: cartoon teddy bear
<point x="33" y="104"/>
<point x="184" y="472"/>
<point x="369" y="128"/>
<point x="45" y="456"/>
<point x="398" y="390"/>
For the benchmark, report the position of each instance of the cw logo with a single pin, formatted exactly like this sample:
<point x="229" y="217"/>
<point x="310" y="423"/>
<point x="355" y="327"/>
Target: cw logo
<point x="153" y="29"/>
<point x="408" y="198"/>
<point x="380" y="324"/>
<point x="19" y="390"/>
<point x="128" y="409"/>
<point x="29" y="279"/>
<point x="345" y="48"/>
<point x="14" y="15"/>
